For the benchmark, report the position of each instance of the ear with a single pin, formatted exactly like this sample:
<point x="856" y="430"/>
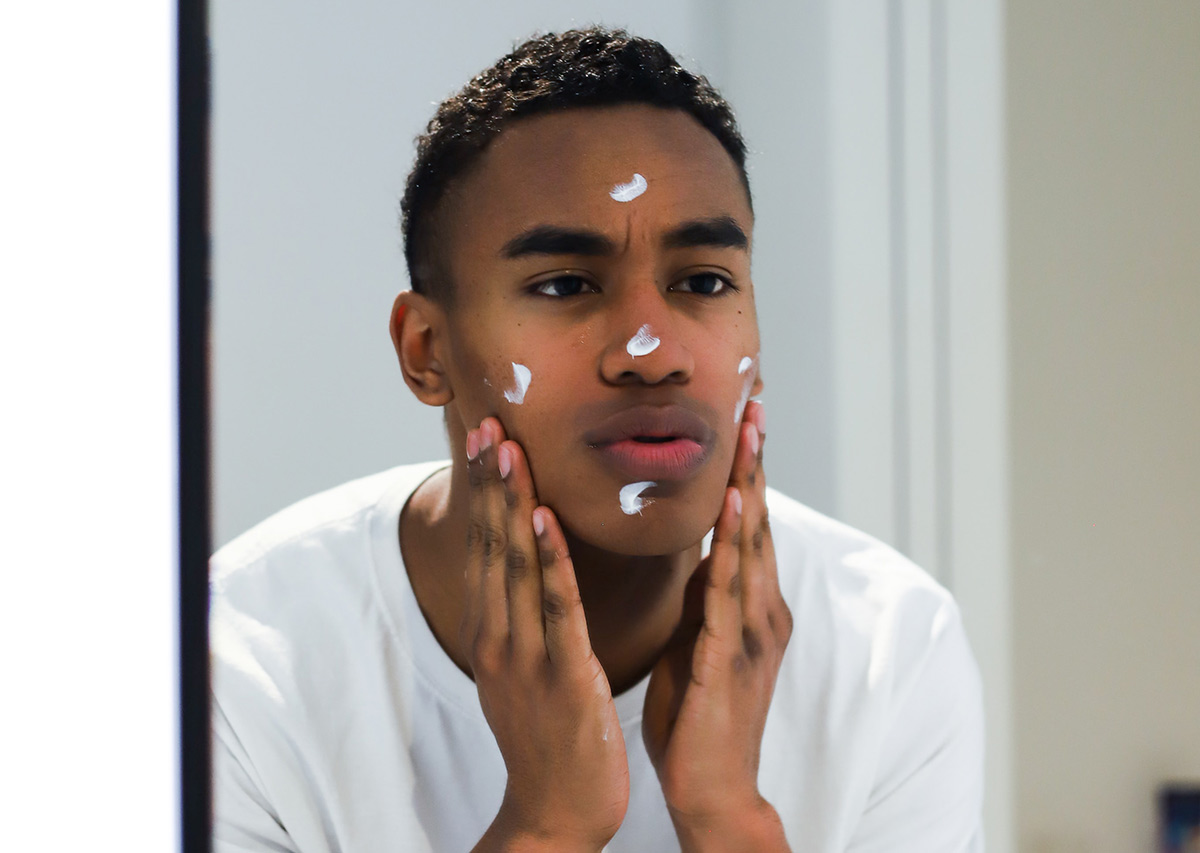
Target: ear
<point x="418" y="334"/>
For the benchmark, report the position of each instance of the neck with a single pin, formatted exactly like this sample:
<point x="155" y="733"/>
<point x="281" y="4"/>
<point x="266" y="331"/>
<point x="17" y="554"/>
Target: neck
<point x="632" y="604"/>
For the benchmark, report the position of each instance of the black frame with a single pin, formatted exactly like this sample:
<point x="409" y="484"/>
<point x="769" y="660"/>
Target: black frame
<point x="193" y="95"/>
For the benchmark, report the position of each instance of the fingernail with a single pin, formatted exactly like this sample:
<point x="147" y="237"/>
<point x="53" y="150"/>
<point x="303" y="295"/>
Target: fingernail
<point x="472" y="445"/>
<point x="504" y="460"/>
<point x="485" y="436"/>
<point x="754" y="442"/>
<point x="539" y="524"/>
<point x="737" y="501"/>
<point x="760" y="418"/>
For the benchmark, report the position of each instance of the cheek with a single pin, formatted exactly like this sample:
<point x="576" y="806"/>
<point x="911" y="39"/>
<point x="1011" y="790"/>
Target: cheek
<point x="527" y="394"/>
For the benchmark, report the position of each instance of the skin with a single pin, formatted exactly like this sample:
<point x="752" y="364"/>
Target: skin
<point x="565" y="599"/>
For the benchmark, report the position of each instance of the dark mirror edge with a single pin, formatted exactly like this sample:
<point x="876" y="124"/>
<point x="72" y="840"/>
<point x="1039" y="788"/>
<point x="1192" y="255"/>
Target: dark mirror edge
<point x="193" y="93"/>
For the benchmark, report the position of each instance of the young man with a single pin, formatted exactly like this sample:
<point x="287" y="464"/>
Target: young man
<point x="582" y="632"/>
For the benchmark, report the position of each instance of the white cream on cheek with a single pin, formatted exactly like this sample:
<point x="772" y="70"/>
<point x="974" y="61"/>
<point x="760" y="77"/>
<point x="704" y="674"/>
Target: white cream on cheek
<point x="746" y="369"/>
<point x="629" y="191"/>
<point x="642" y="343"/>
<point x="522" y="376"/>
<point x="632" y="501"/>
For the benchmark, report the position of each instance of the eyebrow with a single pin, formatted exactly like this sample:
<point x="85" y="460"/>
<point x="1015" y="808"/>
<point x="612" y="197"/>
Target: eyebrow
<point x="720" y="232"/>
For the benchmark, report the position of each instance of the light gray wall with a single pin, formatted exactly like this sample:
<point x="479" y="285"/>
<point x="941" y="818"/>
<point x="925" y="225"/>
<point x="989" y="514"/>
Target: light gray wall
<point x="1104" y="306"/>
<point x="315" y="110"/>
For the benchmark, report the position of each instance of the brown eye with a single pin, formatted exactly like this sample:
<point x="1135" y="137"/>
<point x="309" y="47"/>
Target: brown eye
<point x="706" y="284"/>
<point x="563" y="286"/>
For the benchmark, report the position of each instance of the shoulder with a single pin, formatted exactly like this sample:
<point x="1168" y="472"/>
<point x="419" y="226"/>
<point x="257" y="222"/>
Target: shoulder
<point x="857" y="569"/>
<point x="307" y="564"/>
<point x="302" y="533"/>
<point x="855" y="594"/>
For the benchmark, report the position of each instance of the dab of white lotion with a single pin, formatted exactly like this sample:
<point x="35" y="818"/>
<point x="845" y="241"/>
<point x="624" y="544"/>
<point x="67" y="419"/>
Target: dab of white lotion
<point x="643" y="343"/>
<point x="629" y="191"/>
<point x="521" y="379"/>
<point x="744" y="370"/>
<point x="632" y="501"/>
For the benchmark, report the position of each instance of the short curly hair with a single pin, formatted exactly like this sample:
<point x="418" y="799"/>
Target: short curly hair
<point x="556" y="71"/>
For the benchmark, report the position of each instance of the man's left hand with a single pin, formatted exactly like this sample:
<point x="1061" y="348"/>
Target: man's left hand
<point x="707" y="701"/>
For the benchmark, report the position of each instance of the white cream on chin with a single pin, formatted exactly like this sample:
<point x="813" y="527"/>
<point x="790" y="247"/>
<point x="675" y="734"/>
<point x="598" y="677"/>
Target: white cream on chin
<point x="632" y="501"/>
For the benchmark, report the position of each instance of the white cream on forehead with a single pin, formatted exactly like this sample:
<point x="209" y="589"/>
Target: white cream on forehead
<point x="642" y="343"/>
<point x="629" y="191"/>
<point x="632" y="501"/>
<point x="522" y="376"/>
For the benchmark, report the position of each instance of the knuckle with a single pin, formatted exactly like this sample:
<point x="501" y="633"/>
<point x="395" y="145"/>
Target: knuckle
<point x="495" y="540"/>
<point x="735" y="585"/>
<point x="757" y="540"/>
<point x="751" y="643"/>
<point x="475" y="533"/>
<point x="554" y="606"/>
<point x="511" y="498"/>
<point x="516" y="563"/>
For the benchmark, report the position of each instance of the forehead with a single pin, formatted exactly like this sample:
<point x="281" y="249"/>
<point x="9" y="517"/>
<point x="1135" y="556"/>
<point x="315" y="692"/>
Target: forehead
<point x="561" y="168"/>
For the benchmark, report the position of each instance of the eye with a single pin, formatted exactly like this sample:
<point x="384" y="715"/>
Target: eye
<point x="706" y="284"/>
<point x="563" y="286"/>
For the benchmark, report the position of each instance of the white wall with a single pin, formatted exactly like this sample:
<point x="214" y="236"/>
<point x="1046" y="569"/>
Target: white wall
<point x="89" y="749"/>
<point x="1104" y="305"/>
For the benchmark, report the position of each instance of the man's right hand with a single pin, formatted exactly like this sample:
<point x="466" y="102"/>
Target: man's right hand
<point x="542" y="689"/>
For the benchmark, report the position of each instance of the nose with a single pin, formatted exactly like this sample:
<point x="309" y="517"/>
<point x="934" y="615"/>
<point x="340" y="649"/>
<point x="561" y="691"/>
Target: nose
<point x="644" y="348"/>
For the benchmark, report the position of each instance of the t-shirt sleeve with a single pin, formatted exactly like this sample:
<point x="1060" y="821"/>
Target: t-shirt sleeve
<point x="927" y="795"/>
<point x="243" y="821"/>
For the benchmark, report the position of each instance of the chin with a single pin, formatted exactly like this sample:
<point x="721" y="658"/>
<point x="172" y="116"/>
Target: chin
<point x="664" y="525"/>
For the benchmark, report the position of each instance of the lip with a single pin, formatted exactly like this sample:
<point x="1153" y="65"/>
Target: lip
<point x="669" y="460"/>
<point x="688" y="441"/>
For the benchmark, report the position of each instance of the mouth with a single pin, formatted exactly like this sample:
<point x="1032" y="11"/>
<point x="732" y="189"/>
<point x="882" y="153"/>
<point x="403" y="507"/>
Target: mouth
<point x="658" y="458"/>
<point x="652" y="442"/>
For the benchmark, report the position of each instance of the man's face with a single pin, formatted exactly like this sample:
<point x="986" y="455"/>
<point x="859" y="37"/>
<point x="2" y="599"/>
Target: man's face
<point x="605" y="314"/>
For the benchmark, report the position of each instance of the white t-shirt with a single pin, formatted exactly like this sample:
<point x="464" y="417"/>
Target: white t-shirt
<point x="340" y="724"/>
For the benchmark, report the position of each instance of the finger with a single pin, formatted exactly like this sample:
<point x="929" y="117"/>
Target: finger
<point x="778" y="618"/>
<point x="490" y="526"/>
<point x="744" y="473"/>
<point x="722" y="631"/>
<point x="473" y="572"/>
<point x="567" y="641"/>
<point x="523" y="573"/>
<point x="759" y="583"/>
